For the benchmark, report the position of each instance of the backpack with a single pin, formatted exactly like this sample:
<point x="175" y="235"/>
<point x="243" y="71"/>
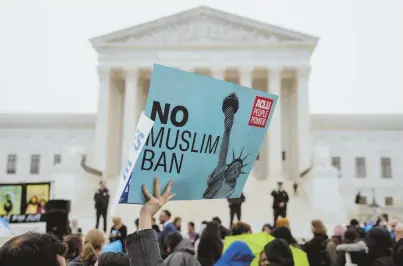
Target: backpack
<point x="324" y="256"/>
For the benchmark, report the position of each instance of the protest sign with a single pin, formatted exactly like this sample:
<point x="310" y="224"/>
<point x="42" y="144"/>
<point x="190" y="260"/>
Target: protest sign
<point x="206" y="136"/>
<point x="143" y="129"/>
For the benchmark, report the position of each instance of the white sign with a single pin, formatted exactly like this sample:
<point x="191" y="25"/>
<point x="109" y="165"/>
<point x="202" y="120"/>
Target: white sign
<point x="143" y="129"/>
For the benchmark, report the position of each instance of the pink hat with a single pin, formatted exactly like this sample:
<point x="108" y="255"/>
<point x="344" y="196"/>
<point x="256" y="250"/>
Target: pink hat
<point x="338" y="230"/>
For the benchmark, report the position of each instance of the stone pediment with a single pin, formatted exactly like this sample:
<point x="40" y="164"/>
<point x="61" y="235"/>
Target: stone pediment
<point x="202" y="26"/>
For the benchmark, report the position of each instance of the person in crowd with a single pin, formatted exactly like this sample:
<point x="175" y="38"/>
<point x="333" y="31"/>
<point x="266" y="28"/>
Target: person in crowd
<point x="267" y="228"/>
<point x="285" y="233"/>
<point x="118" y="232"/>
<point x="393" y="224"/>
<point x="167" y="227"/>
<point x="192" y="235"/>
<point x="142" y="246"/>
<point x="113" y="259"/>
<point x="178" y="223"/>
<point x="240" y="228"/>
<point x="181" y="251"/>
<point x="223" y="230"/>
<point x="202" y="227"/>
<point x="156" y="227"/>
<point x="335" y="240"/>
<point x="32" y="206"/>
<point x="398" y="245"/>
<point x="211" y="245"/>
<point x="295" y="187"/>
<point x="33" y="249"/>
<point x="235" y="205"/>
<point x="74" y="228"/>
<point x="101" y="199"/>
<point x="74" y="245"/>
<point x="379" y="243"/>
<point x="280" y="200"/>
<point x="282" y="222"/>
<point x="316" y="248"/>
<point x="237" y="254"/>
<point x="136" y="223"/>
<point x="93" y="244"/>
<point x="276" y="253"/>
<point x="353" y="247"/>
<point x="355" y="224"/>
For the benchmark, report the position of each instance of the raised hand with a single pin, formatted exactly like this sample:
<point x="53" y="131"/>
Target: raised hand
<point x="155" y="203"/>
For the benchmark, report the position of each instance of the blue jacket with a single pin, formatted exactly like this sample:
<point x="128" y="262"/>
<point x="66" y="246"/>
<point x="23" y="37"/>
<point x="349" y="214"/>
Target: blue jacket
<point x="169" y="228"/>
<point x="237" y="254"/>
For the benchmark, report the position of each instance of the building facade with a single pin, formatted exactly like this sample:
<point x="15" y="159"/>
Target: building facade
<point x="365" y="149"/>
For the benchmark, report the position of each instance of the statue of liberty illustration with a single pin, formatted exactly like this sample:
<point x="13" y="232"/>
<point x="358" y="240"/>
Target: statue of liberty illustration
<point x="222" y="180"/>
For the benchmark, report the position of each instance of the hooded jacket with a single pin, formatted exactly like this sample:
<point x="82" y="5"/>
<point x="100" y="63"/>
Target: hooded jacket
<point x="182" y="255"/>
<point x="237" y="254"/>
<point x="379" y="244"/>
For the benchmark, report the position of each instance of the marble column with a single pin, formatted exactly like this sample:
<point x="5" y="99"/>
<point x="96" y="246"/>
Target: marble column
<point x="131" y="113"/>
<point x="303" y="121"/>
<point x="100" y="150"/>
<point x="246" y="77"/>
<point x="274" y="138"/>
<point x="217" y="73"/>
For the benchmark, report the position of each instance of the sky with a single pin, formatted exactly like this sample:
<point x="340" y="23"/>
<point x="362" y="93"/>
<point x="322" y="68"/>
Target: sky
<point x="47" y="64"/>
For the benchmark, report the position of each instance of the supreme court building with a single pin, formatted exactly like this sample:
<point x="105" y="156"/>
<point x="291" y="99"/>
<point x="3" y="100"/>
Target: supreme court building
<point x="217" y="44"/>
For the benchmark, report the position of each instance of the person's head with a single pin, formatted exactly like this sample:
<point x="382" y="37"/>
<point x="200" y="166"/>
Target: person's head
<point x="351" y="235"/>
<point x="172" y="240"/>
<point x="240" y="228"/>
<point x="277" y="251"/>
<point x="74" y="245"/>
<point x="399" y="231"/>
<point x="267" y="228"/>
<point x="33" y="248"/>
<point x="136" y="223"/>
<point x="34" y="200"/>
<point x="393" y="224"/>
<point x="102" y="184"/>
<point x="354" y="223"/>
<point x="191" y="227"/>
<point x="165" y="215"/>
<point x="117" y="220"/>
<point x="283" y="233"/>
<point x="178" y="223"/>
<point x="318" y="227"/>
<point x="113" y="259"/>
<point x="42" y="203"/>
<point x="338" y="234"/>
<point x="74" y="222"/>
<point x="280" y="186"/>
<point x="212" y="229"/>
<point x="379" y="243"/>
<point x="283" y="222"/>
<point x="210" y="240"/>
<point x="93" y="243"/>
<point x="217" y="220"/>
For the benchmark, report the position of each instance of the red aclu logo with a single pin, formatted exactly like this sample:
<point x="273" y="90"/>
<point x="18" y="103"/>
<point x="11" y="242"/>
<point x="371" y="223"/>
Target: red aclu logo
<point x="260" y="112"/>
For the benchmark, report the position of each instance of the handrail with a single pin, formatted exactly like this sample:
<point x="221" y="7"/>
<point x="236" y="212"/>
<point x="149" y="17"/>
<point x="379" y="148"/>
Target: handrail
<point x="89" y="169"/>
<point x="305" y="172"/>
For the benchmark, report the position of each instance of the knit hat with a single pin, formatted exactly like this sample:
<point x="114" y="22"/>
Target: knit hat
<point x="339" y="230"/>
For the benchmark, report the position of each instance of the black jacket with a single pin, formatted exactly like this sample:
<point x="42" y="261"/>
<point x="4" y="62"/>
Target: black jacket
<point x="357" y="251"/>
<point x="101" y="199"/>
<point x="279" y="196"/>
<point x="236" y="203"/>
<point x="398" y="252"/>
<point x="142" y="248"/>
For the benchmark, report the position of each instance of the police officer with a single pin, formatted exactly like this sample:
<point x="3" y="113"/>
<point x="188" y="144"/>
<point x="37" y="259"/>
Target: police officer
<point x="101" y="199"/>
<point x="280" y="200"/>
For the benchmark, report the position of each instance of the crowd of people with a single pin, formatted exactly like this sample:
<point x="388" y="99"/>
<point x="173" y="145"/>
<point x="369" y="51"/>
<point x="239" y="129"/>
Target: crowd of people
<point x="375" y="244"/>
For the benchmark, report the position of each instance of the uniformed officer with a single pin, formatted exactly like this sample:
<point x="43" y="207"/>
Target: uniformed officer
<point x="280" y="200"/>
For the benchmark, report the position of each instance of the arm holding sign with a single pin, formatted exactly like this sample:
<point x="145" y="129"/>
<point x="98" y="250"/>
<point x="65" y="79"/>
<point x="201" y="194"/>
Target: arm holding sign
<point x="142" y="246"/>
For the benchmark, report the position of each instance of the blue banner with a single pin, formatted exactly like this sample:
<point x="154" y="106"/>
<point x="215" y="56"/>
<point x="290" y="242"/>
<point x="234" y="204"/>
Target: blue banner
<point x="206" y="135"/>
